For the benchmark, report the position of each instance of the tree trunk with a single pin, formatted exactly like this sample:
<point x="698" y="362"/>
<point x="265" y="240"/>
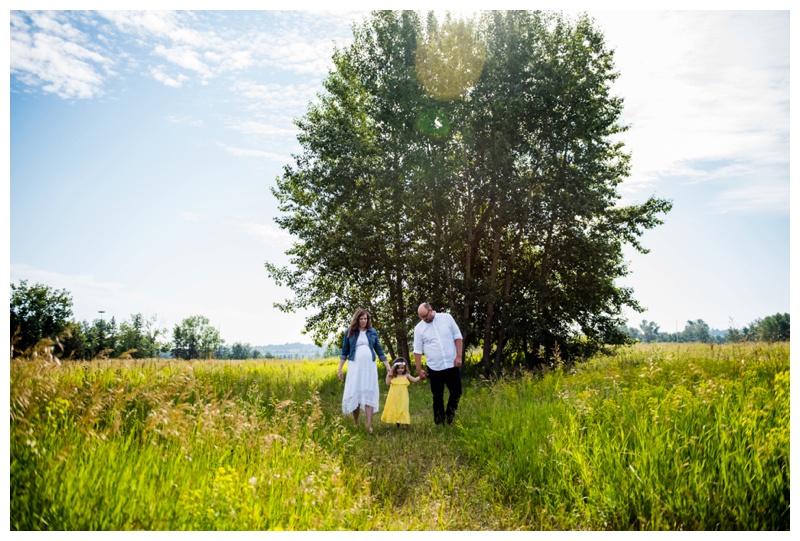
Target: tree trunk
<point x="394" y="283"/>
<point x="501" y="334"/>
<point x="474" y="231"/>
<point x="487" y="329"/>
<point x="401" y="334"/>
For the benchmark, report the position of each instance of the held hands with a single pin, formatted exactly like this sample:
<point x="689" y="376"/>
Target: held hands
<point x="457" y="361"/>
<point x="340" y="374"/>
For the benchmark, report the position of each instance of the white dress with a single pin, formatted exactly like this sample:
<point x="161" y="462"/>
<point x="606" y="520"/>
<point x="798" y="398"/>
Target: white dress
<point x="361" y="383"/>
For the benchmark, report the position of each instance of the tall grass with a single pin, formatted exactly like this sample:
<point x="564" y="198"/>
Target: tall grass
<point x="657" y="438"/>
<point x="652" y="438"/>
<point x="169" y="445"/>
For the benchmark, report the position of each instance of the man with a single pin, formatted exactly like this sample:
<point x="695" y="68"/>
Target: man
<point x="438" y="337"/>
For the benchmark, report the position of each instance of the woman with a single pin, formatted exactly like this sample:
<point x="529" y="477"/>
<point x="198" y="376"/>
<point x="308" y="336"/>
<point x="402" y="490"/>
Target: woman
<point x="360" y="343"/>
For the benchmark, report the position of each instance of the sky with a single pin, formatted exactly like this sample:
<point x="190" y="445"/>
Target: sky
<point x="143" y="146"/>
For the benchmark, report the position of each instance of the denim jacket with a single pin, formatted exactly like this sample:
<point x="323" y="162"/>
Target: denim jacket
<point x="349" y="345"/>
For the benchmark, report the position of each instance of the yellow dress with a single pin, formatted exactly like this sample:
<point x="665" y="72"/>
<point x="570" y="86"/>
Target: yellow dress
<point x="396" y="408"/>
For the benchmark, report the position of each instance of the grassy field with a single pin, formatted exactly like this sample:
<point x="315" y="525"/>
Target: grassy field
<point x="663" y="437"/>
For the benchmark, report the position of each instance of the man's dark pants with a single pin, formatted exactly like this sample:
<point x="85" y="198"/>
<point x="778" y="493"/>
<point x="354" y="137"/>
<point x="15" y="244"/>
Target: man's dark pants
<point x="450" y="377"/>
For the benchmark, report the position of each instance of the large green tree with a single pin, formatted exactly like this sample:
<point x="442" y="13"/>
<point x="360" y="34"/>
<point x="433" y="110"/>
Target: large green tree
<point x="773" y="328"/>
<point x="650" y="331"/>
<point x="195" y="338"/>
<point x="473" y="164"/>
<point x="37" y="312"/>
<point x="695" y="331"/>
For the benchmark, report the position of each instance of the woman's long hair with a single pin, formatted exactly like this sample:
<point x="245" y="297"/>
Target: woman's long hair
<point x="354" y="326"/>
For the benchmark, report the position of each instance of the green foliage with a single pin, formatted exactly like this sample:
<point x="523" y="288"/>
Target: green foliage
<point x="195" y="338"/>
<point x="239" y="351"/>
<point x="100" y="339"/>
<point x="649" y="331"/>
<point x="137" y="338"/>
<point x="472" y="164"/>
<point x="770" y="329"/>
<point x="695" y="331"/>
<point x="140" y="338"/>
<point x="37" y="312"/>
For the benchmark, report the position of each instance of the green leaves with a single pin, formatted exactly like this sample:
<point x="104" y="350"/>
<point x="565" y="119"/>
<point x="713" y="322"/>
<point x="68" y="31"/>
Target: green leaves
<point x="449" y="61"/>
<point x="468" y="163"/>
<point x="37" y="312"/>
<point x="195" y="338"/>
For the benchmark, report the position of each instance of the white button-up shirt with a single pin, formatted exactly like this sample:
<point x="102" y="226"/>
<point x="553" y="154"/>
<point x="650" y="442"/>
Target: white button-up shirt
<point x="437" y="340"/>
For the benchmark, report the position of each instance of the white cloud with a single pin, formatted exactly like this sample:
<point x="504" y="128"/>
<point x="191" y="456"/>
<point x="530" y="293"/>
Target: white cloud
<point x="295" y="52"/>
<point x="55" y="56"/>
<point x="235" y="61"/>
<point x="259" y="128"/>
<point x="46" y="21"/>
<point x="768" y="196"/>
<point x="186" y="58"/>
<point x="276" y="96"/>
<point x="704" y="91"/>
<point x="49" y="48"/>
<point x="177" y="37"/>
<point x="341" y="17"/>
<point x="255" y="153"/>
<point x="271" y="108"/>
<point x="190" y="216"/>
<point x="186" y="120"/>
<point x="149" y="23"/>
<point x="159" y="75"/>
<point x="21" y="271"/>
<point x="268" y="233"/>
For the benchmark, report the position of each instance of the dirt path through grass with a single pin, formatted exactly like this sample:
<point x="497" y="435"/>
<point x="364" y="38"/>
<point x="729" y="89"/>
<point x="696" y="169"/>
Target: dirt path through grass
<point x="419" y="477"/>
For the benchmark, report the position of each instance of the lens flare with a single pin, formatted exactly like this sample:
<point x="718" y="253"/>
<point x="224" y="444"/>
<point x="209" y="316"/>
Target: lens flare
<point x="450" y="61"/>
<point x="434" y="122"/>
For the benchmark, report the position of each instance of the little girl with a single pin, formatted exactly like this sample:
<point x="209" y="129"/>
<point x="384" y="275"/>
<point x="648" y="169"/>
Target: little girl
<point x="396" y="408"/>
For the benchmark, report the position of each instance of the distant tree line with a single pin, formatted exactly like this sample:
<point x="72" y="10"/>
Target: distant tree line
<point x="773" y="328"/>
<point x="41" y="315"/>
<point x="240" y="351"/>
<point x="296" y="350"/>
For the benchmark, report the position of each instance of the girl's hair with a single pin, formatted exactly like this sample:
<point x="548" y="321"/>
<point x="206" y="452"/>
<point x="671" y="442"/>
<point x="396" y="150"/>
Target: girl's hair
<point x="354" y="326"/>
<point x="397" y="363"/>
